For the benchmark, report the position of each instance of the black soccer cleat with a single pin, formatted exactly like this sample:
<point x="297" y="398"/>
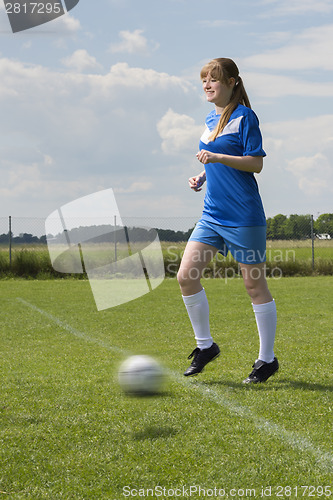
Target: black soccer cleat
<point x="200" y="358"/>
<point x="262" y="371"/>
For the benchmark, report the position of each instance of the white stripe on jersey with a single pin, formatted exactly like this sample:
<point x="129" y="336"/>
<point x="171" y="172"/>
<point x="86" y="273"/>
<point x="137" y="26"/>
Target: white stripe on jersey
<point x="232" y="127"/>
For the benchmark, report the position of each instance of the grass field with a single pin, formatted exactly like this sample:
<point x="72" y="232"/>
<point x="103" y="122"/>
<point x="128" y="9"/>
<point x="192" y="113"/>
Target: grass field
<point x="285" y="249"/>
<point x="68" y="432"/>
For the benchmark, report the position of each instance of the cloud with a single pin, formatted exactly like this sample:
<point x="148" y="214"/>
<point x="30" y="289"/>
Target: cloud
<point x="314" y="174"/>
<point x="179" y="133"/>
<point x="133" y="42"/>
<point x="280" y="72"/>
<point x="80" y="60"/>
<point x="310" y="135"/>
<point x="68" y="23"/>
<point x="276" y="86"/>
<point x="308" y="50"/>
<point x="32" y="178"/>
<point x="298" y="167"/>
<point x="27" y="45"/>
<point x="121" y="75"/>
<point x="135" y="187"/>
<point x="221" y="23"/>
<point x="68" y="134"/>
<point x="295" y="7"/>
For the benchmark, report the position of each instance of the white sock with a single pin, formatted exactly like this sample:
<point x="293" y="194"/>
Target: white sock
<point x="266" y="319"/>
<point x="198" y="311"/>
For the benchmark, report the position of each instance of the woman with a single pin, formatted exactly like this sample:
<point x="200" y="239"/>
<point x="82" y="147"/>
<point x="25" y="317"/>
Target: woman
<point x="233" y="217"/>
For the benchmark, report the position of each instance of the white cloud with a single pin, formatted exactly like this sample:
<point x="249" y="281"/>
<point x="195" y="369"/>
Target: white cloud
<point x="310" y="135"/>
<point x="133" y="42"/>
<point x="27" y="45"/>
<point x="111" y="85"/>
<point x="80" y="60"/>
<point x="273" y="86"/>
<point x="314" y="174"/>
<point x="67" y="24"/>
<point x="281" y="71"/>
<point x="221" y="23"/>
<point x="298" y="173"/>
<point x="309" y="50"/>
<point x="296" y="7"/>
<point x="22" y="179"/>
<point x="135" y="187"/>
<point x="179" y="133"/>
<point x="93" y="131"/>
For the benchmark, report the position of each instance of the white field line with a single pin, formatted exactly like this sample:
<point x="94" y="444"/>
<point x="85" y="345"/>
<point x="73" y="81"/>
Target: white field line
<point x="70" y="329"/>
<point x="299" y="443"/>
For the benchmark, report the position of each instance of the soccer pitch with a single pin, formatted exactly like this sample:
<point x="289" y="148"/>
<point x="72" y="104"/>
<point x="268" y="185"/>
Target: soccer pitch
<point x="67" y="431"/>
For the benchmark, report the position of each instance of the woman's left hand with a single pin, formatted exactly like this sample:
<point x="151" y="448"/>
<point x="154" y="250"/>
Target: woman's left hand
<point x="206" y="157"/>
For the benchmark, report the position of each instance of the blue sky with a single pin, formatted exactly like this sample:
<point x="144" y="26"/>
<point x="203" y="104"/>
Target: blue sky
<point x="110" y="97"/>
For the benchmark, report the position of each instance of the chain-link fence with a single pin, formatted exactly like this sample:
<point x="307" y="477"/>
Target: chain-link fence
<point x="33" y="228"/>
<point x="291" y="240"/>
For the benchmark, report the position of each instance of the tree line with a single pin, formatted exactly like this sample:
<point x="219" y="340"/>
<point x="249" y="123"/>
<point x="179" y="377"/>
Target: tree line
<point x="279" y="227"/>
<point x="298" y="227"/>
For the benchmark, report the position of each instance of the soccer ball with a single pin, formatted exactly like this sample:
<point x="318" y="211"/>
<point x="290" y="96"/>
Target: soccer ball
<point x="140" y="375"/>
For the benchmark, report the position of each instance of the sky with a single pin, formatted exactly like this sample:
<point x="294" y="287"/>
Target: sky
<point x="109" y="96"/>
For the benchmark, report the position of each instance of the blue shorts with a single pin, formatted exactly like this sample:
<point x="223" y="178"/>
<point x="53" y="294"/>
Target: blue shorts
<point x="246" y="244"/>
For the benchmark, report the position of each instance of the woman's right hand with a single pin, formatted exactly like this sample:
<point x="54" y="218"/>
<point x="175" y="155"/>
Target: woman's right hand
<point x="197" y="181"/>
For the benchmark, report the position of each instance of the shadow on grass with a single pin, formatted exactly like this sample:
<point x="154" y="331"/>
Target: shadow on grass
<point x="307" y="386"/>
<point x="155" y="432"/>
<point x="272" y="384"/>
<point x="148" y="395"/>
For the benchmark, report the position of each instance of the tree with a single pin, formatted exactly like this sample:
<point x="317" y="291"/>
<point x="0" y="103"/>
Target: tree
<point x="294" y="227"/>
<point x="275" y="229"/>
<point x="324" y="224"/>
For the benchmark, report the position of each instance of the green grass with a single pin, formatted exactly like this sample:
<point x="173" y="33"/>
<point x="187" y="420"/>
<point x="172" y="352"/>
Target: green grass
<point x="284" y="258"/>
<point x="67" y="431"/>
<point x="287" y="258"/>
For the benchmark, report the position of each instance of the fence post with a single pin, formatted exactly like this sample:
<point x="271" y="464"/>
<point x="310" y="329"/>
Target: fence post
<point x="115" y="238"/>
<point x="10" y="241"/>
<point x="312" y="240"/>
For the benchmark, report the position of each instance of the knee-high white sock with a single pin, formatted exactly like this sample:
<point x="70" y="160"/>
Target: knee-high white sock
<point x="198" y="311"/>
<point x="266" y="319"/>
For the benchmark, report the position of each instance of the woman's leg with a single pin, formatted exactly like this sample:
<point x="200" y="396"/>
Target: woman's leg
<point x="264" y="308"/>
<point x="196" y="257"/>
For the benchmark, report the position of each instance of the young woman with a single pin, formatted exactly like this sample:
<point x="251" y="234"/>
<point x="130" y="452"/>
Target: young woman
<point x="233" y="217"/>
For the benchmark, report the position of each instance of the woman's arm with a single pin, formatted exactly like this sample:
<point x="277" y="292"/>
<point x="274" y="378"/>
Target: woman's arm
<point x="245" y="163"/>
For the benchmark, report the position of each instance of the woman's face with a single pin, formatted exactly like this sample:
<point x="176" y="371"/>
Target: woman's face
<point x="217" y="92"/>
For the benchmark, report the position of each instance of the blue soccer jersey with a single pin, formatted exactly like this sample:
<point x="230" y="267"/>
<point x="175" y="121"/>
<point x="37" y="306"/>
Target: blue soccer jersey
<point x="232" y="196"/>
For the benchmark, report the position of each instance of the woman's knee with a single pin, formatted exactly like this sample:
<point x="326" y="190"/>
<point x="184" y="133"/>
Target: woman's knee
<point x="253" y="289"/>
<point x="258" y="290"/>
<point x="181" y="278"/>
<point x="187" y="276"/>
<point x="196" y="256"/>
<point x="255" y="281"/>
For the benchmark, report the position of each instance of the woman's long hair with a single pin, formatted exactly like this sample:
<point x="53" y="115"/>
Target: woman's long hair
<point x="222" y="69"/>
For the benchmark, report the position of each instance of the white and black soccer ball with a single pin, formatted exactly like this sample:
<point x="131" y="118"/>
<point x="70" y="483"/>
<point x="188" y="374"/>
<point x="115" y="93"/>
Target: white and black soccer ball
<point x="140" y="375"/>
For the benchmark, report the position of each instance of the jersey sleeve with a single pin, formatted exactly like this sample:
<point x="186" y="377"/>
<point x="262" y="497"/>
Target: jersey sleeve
<point x="250" y="135"/>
